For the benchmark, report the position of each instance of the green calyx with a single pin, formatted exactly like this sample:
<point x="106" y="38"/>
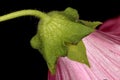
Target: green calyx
<point x="62" y="35"/>
<point x="59" y="34"/>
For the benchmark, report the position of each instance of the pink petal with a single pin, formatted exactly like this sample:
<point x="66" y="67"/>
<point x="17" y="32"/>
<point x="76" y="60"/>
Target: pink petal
<point x="111" y="26"/>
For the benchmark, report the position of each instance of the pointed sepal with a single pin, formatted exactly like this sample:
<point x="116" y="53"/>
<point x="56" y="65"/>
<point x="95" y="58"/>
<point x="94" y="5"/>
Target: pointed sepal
<point x="90" y="24"/>
<point x="78" y="53"/>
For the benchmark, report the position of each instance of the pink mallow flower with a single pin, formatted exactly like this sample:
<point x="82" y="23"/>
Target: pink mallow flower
<point x="103" y="52"/>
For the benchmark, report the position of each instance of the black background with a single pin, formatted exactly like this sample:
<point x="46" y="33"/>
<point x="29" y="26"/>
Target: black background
<point x="18" y="59"/>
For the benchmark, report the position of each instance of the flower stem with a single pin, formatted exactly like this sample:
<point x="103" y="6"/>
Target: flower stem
<point x="20" y="13"/>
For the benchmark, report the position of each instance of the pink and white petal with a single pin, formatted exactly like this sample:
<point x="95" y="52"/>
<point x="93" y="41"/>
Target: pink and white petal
<point x="104" y="54"/>
<point x="111" y="26"/>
